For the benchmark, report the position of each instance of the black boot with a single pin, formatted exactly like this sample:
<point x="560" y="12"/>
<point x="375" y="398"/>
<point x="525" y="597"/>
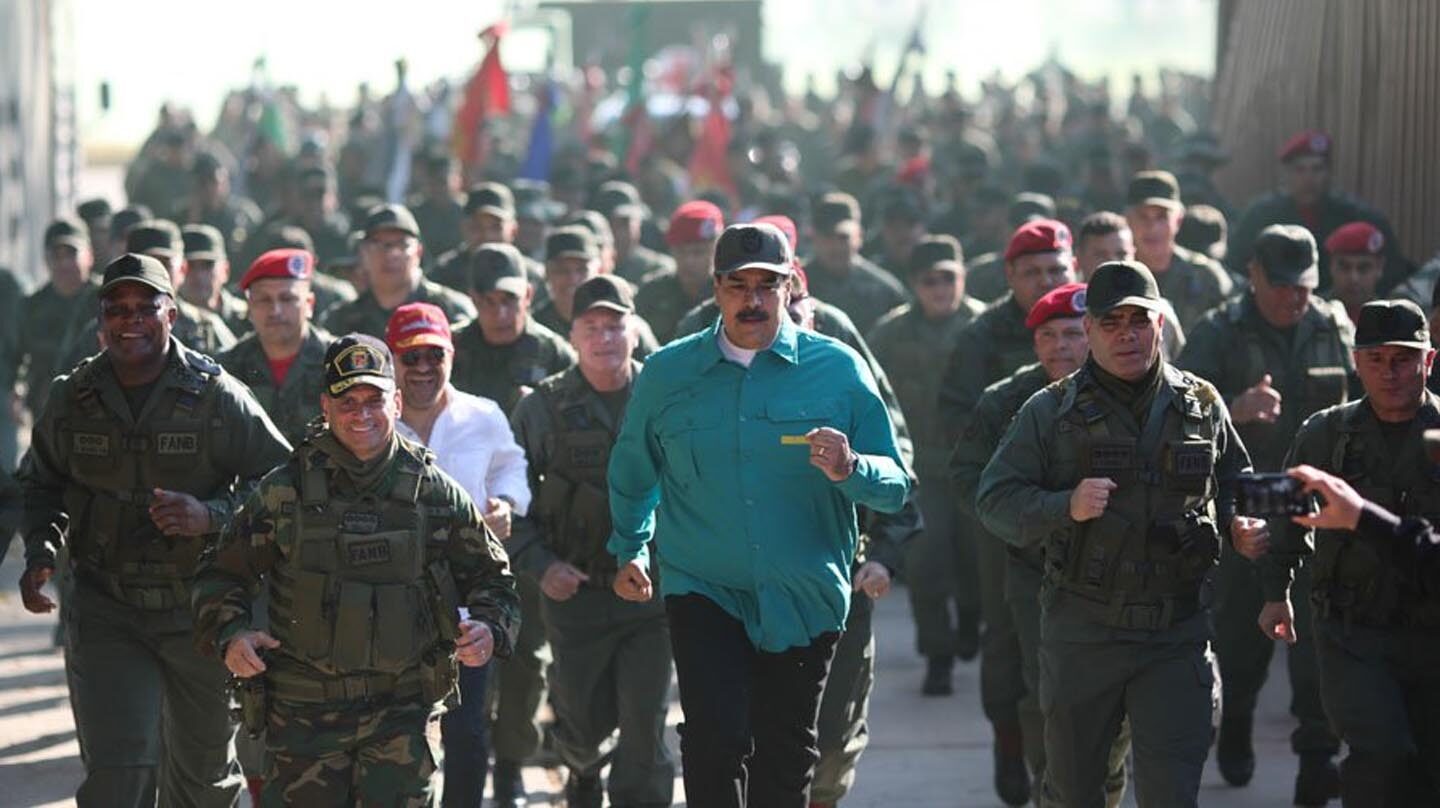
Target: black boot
<point x="584" y="791"/>
<point x="509" y="784"/>
<point x="1012" y="778"/>
<point x="967" y="641"/>
<point x="1234" y="752"/>
<point x="1318" y="781"/>
<point x="937" y="676"/>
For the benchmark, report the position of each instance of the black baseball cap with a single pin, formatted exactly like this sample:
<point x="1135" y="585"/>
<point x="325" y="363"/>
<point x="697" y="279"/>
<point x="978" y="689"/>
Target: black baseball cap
<point x="136" y="268"/>
<point x="68" y="231"/>
<point x="1122" y="283"/>
<point x="92" y="209"/>
<point x="533" y="202"/>
<point x="937" y="253"/>
<point x="1154" y="188"/>
<point x="572" y="241"/>
<point x="492" y="198"/>
<point x="1288" y="254"/>
<point x="617" y="198"/>
<point x="498" y="267"/>
<point x="596" y="223"/>
<point x="155" y="237"/>
<point x="358" y="359"/>
<point x="753" y="246"/>
<point x="1392" y="322"/>
<point x="202" y="243"/>
<point x="126" y="218"/>
<point x="391" y="217"/>
<point x="604" y="292"/>
<point x="833" y="210"/>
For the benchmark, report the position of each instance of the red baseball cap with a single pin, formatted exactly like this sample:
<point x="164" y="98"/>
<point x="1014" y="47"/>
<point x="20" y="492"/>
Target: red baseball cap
<point x="1062" y="301"/>
<point x="696" y="220"/>
<point x="1038" y="236"/>
<point x="417" y="324"/>
<point x="1356" y="238"/>
<point x="1300" y="144"/>
<point x="288" y="263"/>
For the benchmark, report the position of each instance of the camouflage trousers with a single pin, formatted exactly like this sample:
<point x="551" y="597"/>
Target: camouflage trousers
<point x="519" y="684"/>
<point x="350" y="755"/>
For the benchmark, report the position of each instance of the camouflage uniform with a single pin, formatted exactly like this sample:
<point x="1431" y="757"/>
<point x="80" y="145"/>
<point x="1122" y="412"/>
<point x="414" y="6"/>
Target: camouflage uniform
<point x="363" y="315"/>
<point x="612" y="657"/>
<point x="95" y="460"/>
<point x="365" y="575"/>
<point x="295" y="403"/>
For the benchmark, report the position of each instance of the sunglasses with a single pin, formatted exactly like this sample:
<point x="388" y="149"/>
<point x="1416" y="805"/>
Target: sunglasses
<point x="433" y="356"/>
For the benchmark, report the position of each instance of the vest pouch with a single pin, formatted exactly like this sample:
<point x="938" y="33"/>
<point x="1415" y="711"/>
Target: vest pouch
<point x="588" y="527"/>
<point x="399" y="629"/>
<point x="1324" y="387"/>
<point x="1199" y="548"/>
<point x="310" y="630"/>
<point x="552" y="505"/>
<point x="351" y="649"/>
<point x="1188" y="465"/>
<point x="94" y="451"/>
<point x="1092" y="564"/>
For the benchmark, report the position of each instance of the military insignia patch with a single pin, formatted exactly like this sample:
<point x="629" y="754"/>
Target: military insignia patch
<point x="359" y="522"/>
<point x="365" y="553"/>
<point x="177" y="443"/>
<point x="90" y="444"/>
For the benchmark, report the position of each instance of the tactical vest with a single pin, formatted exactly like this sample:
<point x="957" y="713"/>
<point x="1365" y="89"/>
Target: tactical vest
<point x="1380" y="584"/>
<point x="361" y="595"/>
<point x="113" y="471"/>
<point x="1142" y="563"/>
<point x="573" y="501"/>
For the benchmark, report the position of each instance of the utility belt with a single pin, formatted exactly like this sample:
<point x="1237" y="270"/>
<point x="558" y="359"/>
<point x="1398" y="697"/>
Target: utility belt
<point x="1123" y="613"/>
<point x="145" y="586"/>
<point x="432" y="679"/>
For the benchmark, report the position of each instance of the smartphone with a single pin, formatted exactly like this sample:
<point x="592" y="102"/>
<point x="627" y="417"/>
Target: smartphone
<point x="1273" y="495"/>
<point x="1432" y="445"/>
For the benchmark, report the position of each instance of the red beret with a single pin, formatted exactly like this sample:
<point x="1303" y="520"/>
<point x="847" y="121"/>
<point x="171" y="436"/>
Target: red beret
<point x="1310" y="141"/>
<point x="288" y="263"/>
<point x="1356" y="238"/>
<point x="1062" y="301"/>
<point x="696" y="220"/>
<point x="1038" y="236"/>
<point x="416" y="324"/>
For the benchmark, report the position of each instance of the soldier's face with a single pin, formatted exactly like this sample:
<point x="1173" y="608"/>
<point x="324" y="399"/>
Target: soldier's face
<point x="564" y="275"/>
<point x="135" y="323"/>
<point x="1353" y="278"/>
<point x="391" y="259"/>
<point x="751" y="302"/>
<point x="280" y="308"/>
<point x="69" y="266"/>
<point x="1125" y="341"/>
<point x="1096" y="250"/>
<point x="1280" y="306"/>
<point x="939" y="291"/>
<point x="1031" y="276"/>
<point x="694" y="262"/>
<point x="626" y="230"/>
<point x="604" y="339"/>
<point x="529" y="235"/>
<point x="501" y="315"/>
<point x="838" y="249"/>
<point x="1307" y="178"/>
<point x="492" y="229"/>
<point x="203" y="279"/>
<point x="1394" y="377"/>
<point x="362" y="418"/>
<point x="422" y="373"/>
<point x="1061" y="346"/>
<point x="1154" y="228"/>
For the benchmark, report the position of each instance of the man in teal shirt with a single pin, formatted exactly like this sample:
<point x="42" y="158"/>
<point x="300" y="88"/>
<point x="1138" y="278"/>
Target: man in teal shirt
<point x="744" y="451"/>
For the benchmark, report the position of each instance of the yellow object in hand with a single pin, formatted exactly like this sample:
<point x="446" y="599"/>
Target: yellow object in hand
<point x="794" y="440"/>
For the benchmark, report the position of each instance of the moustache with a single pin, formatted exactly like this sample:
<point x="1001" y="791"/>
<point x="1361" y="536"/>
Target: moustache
<point x="752" y="316"/>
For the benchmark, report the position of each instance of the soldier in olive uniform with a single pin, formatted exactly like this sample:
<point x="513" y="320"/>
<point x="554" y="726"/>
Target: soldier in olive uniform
<point x="196" y="328"/>
<point x="136" y="462"/>
<point x="1124" y="471"/>
<point x="1276" y="355"/>
<point x="572" y="257"/>
<point x="1192" y="283"/>
<point x="59" y="314"/>
<point x="390" y="259"/>
<point x="667" y="295"/>
<point x="283" y="360"/>
<point x="207" y="270"/>
<point x="619" y="202"/>
<point x="212" y="202"/>
<point x="501" y="356"/>
<point x="838" y="274"/>
<point x="325" y="283"/>
<point x="942" y="564"/>
<point x="1377" y="614"/>
<point x="381" y="575"/>
<point x="612" y="657"/>
<point x="490" y="218"/>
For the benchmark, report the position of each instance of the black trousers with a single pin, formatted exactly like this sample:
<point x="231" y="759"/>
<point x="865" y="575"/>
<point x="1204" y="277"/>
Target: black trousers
<point x="749" y="736"/>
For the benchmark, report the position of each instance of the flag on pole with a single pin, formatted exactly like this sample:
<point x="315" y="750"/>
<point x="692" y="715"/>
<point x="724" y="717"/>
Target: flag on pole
<point x="486" y="94"/>
<point x="709" y="166"/>
<point x="542" y="140"/>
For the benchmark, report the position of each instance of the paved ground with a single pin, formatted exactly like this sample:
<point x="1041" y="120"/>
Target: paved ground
<point x="924" y="753"/>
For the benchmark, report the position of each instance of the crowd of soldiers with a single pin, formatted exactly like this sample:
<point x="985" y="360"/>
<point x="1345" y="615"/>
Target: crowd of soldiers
<point x="206" y="373"/>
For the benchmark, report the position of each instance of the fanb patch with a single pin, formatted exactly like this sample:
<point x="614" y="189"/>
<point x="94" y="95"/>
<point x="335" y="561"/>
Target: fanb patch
<point x="90" y="444"/>
<point x="177" y="443"/>
<point x="365" y="553"/>
<point x="362" y="522"/>
<point x="1191" y="460"/>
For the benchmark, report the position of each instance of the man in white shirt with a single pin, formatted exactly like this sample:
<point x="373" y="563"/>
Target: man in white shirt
<point x="472" y="442"/>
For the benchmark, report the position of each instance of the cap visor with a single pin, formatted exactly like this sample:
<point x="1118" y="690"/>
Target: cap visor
<point x="515" y="286"/>
<point x="164" y="290"/>
<point x="581" y="254"/>
<point x="422" y="340"/>
<point x="78" y="242"/>
<point x="205" y="255"/>
<point x="609" y="304"/>
<point x="385" y="384"/>
<point x="1399" y="343"/>
<point x="1131" y="300"/>
<point x="1160" y="201"/>
<point x="503" y="213"/>
<point x="778" y="269"/>
<point x="1309" y="278"/>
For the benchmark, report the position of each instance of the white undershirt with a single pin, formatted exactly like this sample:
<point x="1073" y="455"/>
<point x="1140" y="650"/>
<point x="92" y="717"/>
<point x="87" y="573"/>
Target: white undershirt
<point x="740" y="356"/>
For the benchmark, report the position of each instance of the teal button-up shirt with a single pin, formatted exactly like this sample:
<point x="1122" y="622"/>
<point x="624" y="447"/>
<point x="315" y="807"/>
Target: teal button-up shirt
<point x="737" y="515"/>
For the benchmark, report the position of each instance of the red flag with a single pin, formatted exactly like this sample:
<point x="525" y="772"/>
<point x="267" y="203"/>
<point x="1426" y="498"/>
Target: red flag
<point x="486" y="94"/>
<point x="709" y="167"/>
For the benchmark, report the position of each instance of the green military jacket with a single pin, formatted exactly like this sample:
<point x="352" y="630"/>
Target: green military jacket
<point x="94" y="464"/>
<point x="547" y="315"/>
<point x="330" y="291"/>
<point x="235" y="312"/>
<point x="641" y="262"/>
<point x="365" y="579"/>
<point x="985" y="277"/>
<point x="906" y="343"/>
<point x="1193" y="285"/>
<point x="663" y="303"/>
<point x="502" y="373"/>
<point x="1233" y="347"/>
<point x="1141" y="567"/>
<point x="567" y="433"/>
<point x="994" y="345"/>
<point x="363" y="315"/>
<point x="1373" y="583"/>
<point x="201" y="330"/>
<point x="452" y="270"/>
<point x="295" y="403"/>
<point x="50" y="326"/>
<point x="865" y="292"/>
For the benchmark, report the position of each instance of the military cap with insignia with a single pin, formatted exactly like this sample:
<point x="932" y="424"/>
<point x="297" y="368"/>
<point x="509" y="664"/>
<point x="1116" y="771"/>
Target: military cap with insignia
<point x="753" y="246"/>
<point x="1122" y="283"/>
<point x="604" y="292"/>
<point x="358" y="359"/>
<point x="1392" y="322"/>
<point x="137" y="268"/>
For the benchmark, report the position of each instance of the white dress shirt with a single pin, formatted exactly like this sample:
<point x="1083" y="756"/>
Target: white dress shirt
<point x="473" y="443"/>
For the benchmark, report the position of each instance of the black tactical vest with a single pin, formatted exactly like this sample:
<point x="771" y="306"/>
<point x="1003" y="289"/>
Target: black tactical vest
<point x="572" y="503"/>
